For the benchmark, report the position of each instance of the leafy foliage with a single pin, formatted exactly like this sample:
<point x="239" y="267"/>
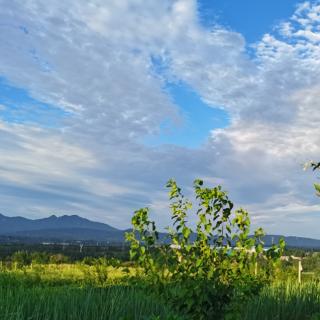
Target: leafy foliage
<point x="205" y="271"/>
<point x="315" y="166"/>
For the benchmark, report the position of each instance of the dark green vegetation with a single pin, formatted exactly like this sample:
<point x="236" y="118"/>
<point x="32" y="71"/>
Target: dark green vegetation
<point x="70" y="252"/>
<point x="284" y="301"/>
<point x="22" y="299"/>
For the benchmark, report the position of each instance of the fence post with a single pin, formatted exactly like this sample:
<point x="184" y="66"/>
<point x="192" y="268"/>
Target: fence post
<point x="299" y="271"/>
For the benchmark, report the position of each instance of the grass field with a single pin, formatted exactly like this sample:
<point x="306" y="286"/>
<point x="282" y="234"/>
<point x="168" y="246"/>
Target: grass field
<point x="58" y="303"/>
<point x="284" y="301"/>
<point x="81" y="292"/>
<point x="24" y="296"/>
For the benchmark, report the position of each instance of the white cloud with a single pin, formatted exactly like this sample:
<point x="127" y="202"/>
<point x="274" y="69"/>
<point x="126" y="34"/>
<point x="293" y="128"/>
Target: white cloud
<point x="93" y="59"/>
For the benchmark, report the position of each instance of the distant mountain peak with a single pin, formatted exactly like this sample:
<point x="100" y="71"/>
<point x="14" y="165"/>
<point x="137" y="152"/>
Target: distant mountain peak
<point x="66" y="227"/>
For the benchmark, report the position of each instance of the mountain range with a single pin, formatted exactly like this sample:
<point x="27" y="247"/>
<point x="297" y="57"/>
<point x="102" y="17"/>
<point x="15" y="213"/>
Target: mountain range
<point x="70" y="228"/>
<point x="58" y="229"/>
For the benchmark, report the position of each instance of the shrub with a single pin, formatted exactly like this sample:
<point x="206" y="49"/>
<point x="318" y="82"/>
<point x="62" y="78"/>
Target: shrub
<point x="199" y="270"/>
<point x="21" y="259"/>
<point x="40" y="257"/>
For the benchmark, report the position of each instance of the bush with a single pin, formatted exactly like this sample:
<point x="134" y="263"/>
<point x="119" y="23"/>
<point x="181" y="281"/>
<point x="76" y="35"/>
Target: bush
<point x="21" y="259"/>
<point x="198" y="270"/>
<point x="40" y="257"/>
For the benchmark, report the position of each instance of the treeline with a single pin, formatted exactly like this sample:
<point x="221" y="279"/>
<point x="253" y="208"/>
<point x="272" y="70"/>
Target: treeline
<point x="22" y="259"/>
<point x="60" y="253"/>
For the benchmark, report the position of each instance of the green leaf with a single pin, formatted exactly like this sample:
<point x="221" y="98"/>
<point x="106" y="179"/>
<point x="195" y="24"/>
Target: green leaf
<point x="317" y="187"/>
<point x="208" y="227"/>
<point x="186" y="232"/>
<point x="198" y="263"/>
<point x="203" y="219"/>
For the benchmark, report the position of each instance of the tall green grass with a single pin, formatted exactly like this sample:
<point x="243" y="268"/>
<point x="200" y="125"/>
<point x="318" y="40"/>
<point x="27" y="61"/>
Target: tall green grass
<point x="23" y="300"/>
<point x="62" y="294"/>
<point x="284" y="301"/>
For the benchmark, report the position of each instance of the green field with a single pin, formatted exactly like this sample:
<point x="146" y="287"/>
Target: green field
<point x="77" y="291"/>
<point x="62" y="292"/>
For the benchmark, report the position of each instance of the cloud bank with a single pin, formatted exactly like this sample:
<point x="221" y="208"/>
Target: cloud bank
<point x="95" y="62"/>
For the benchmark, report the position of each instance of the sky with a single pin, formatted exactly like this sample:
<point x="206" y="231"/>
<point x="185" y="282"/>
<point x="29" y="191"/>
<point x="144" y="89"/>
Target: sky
<point x="101" y="102"/>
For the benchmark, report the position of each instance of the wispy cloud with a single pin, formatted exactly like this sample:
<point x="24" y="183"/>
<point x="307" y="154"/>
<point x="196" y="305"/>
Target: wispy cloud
<point x="94" y="60"/>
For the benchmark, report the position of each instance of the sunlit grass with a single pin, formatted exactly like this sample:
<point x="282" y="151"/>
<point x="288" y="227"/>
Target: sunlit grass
<point x="285" y="301"/>
<point x="78" y="274"/>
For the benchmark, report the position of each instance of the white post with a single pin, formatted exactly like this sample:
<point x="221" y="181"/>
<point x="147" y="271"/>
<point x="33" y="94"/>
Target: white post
<point x="299" y="267"/>
<point x="299" y="271"/>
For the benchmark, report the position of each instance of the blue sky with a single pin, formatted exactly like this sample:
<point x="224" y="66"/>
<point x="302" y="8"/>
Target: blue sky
<point x="252" y="18"/>
<point x="19" y="107"/>
<point x="197" y="119"/>
<point x="98" y="111"/>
